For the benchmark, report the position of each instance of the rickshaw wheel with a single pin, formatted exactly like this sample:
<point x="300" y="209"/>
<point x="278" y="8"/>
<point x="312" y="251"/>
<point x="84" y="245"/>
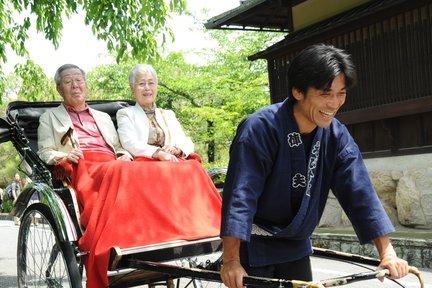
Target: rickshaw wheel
<point x="43" y="261"/>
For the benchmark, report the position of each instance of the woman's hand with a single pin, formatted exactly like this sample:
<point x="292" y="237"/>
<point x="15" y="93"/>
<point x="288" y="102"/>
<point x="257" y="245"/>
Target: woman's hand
<point x="172" y="150"/>
<point x="165" y="156"/>
<point x="74" y="156"/>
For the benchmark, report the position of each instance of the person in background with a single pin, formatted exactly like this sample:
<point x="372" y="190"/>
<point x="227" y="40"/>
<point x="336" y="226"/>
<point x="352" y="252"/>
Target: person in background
<point x="1" y="199"/>
<point x="33" y="199"/>
<point x="148" y="131"/>
<point x="284" y="159"/>
<point x="15" y="191"/>
<point x="16" y="186"/>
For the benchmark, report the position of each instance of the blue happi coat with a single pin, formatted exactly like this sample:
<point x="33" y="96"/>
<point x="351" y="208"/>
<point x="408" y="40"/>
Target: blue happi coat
<point x="268" y="164"/>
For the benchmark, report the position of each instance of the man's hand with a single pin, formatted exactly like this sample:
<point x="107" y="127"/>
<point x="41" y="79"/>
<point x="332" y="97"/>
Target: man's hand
<point x="232" y="274"/>
<point x="74" y="156"/>
<point x="397" y="267"/>
<point x="124" y="157"/>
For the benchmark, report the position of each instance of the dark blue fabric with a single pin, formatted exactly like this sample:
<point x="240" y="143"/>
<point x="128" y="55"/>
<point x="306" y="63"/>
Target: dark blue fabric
<point x="9" y="190"/>
<point x="258" y="186"/>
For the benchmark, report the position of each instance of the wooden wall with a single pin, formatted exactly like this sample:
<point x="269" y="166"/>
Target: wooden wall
<point x="389" y="112"/>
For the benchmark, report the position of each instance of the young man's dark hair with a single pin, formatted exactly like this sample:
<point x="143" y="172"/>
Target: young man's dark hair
<point x="317" y="66"/>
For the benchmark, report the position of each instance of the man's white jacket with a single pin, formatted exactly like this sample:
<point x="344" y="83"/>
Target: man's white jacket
<point x="53" y="125"/>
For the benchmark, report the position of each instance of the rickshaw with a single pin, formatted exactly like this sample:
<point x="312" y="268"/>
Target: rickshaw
<point x="48" y="254"/>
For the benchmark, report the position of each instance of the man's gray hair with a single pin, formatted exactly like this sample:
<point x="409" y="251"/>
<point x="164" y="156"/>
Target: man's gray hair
<point x="57" y="76"/>
<point x="142" y="68"/>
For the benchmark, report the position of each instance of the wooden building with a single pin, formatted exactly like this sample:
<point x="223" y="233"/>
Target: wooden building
<point x="389" y="112"/>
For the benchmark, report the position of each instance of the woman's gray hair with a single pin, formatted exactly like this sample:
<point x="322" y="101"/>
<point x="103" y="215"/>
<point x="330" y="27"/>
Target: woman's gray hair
<point x="57" y="76"/>
<point x="141" y="68"/>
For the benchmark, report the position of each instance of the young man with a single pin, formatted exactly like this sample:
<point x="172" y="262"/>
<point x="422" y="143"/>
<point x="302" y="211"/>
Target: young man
<point x="284" y="160"/>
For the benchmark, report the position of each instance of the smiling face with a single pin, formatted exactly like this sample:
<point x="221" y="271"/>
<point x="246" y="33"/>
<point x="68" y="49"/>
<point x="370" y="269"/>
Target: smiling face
<point x="318" y="107"/>
<point x="73" y="88"/>
<point x="144" y="89"/>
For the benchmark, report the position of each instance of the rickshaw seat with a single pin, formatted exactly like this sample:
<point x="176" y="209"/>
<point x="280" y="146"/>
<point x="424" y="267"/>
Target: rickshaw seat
<point x="27" y="114"/>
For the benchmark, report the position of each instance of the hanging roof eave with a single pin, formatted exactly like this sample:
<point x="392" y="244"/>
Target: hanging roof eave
<point x="256" y="15"/>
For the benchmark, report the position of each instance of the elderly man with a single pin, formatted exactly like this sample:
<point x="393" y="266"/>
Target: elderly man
<point x="73" y="127"/>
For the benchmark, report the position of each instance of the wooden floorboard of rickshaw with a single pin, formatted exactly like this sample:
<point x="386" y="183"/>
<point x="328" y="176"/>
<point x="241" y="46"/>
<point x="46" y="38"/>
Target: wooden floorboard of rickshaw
<point x="132" y="277"/>
<point x="162" y="252"/>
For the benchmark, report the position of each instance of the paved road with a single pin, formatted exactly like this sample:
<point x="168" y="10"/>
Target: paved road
<point x="323" y="269"/>
<point x="8" y="242"/>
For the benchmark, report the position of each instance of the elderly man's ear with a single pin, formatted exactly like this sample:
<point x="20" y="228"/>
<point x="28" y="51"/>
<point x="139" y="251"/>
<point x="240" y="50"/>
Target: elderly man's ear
<point x="59" y="90"/>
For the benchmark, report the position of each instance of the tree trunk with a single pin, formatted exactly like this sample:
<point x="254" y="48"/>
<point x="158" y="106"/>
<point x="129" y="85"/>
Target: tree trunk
<point x="211" y="145"/>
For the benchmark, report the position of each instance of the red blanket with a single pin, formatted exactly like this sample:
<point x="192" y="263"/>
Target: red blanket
<point x="129" y="204"/>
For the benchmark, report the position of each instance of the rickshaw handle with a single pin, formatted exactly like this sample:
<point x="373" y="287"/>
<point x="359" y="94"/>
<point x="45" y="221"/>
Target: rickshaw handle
<point x="344" y="280"/>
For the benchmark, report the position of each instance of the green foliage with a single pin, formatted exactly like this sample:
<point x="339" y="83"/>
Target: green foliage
<point x="109" y="82"/>
<point x="35" y="85"/>
<point x="129" y="27"/>
<point x="7" y="205"/>
<point x="210" y="97"/>
<point x="29" y="83"/>
<point x="9" y="161"/>
<point x="11" y="90"/>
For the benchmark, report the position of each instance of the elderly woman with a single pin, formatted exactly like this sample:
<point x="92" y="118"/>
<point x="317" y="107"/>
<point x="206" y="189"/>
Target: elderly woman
<point x="148" y="131"/>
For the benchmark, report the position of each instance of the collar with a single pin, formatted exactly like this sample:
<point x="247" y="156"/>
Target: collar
<point x="150" y="110"/>
<point x="72" y="109"/>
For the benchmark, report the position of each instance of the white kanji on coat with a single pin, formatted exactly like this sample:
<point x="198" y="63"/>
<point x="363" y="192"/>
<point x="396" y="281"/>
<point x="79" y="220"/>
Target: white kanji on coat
<point x="294" y="139"/>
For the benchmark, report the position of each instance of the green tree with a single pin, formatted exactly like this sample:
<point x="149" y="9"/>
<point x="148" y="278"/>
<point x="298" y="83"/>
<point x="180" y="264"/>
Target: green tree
<point x="28" y="83"/>
<point x="213" y="96"/>
<point x="210" y="96"/>
<point x="35" y="86"/>
<point x="10" y="163"/>
<point x="129" y="27"/>
<point x="109" y="82"/>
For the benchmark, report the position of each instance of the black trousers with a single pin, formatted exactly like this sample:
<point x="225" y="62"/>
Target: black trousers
<point x="296" y="270"/>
